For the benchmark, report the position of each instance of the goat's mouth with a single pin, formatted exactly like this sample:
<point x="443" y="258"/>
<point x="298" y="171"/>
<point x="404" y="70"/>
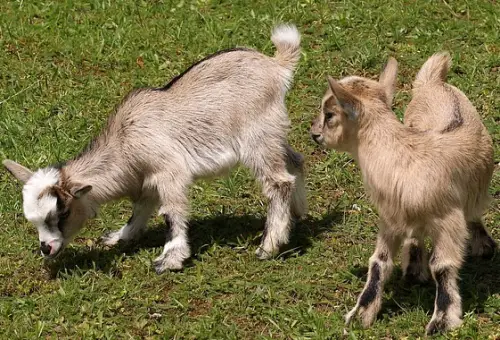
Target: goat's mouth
<point x="54" y="254"/>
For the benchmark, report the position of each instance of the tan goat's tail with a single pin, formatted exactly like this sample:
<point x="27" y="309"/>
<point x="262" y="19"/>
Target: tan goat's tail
<point x="286" y="38"/>
<point x="434" y="70"/>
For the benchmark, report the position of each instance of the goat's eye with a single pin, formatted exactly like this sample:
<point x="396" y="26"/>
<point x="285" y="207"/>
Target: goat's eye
<point x="62" y="220"/>
<point x="64" y="215"/>
<point x="328" y="115"/>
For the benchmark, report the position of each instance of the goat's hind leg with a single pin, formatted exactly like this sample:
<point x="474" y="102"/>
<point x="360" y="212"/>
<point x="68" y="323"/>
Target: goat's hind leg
<point x="142" y="210"/>
<point x="269" y="165"/>
<point x="414" y="259"/>
<point x="379" y="270"/>
<point x="450" y="239"/>
<point x="295" y="165"/>
<point x="481" y="243"/>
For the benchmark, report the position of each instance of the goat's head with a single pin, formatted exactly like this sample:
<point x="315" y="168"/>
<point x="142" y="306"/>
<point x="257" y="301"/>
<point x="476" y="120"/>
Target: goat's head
<point x="55" y="206"/>
<point x="344" y="104"/>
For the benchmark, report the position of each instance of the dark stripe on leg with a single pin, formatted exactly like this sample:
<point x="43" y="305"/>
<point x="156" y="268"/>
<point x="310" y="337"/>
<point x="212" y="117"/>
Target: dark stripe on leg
<point x="168" y="224"/>
<point x="370" y="293"/>
<point x="443" y="301"/>
<point x="443" y="298"/>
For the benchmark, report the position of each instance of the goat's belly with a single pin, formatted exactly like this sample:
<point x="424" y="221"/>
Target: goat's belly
<point x="211" y="163"/>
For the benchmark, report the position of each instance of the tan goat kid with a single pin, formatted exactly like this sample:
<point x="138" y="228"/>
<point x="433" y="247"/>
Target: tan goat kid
<point x="427" y="178"/>
<point x="227" y="109"/>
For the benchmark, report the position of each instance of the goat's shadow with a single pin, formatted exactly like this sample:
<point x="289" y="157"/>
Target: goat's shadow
<point x="223" y="230"/>
<point x="479" y="279"/>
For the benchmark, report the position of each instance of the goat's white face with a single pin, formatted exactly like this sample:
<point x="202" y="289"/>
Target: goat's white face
<point x="40" y="208"/>
<point x="58" y="212"/>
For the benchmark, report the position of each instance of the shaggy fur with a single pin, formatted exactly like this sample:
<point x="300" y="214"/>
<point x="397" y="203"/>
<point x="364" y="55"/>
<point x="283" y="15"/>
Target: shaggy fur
<point x="427" y="178"/>
<point x="227" y="109"/>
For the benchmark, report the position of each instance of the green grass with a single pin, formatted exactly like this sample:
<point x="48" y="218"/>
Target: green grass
<point x="65" y="64"/>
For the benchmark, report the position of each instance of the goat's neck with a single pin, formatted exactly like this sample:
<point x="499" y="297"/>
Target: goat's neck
<point x="381" y="147"/>
<point x="105" y="171"/>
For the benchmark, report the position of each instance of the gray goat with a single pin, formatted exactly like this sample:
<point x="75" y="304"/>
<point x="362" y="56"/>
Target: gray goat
<point x="229" y="108"/>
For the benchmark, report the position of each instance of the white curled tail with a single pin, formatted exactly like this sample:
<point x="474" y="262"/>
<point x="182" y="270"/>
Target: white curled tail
<point x="286" y="38"/>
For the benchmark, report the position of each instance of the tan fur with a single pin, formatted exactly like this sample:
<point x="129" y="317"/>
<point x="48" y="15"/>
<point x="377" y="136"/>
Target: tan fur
<point x="434" y="71"/>
<point x="428" y="177"/>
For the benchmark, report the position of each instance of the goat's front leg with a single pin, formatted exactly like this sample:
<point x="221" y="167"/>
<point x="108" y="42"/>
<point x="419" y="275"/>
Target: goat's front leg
<point x="450" y="240"/>
<point x="142" y="210"/>
<point x="174" y="209"/>
<point x="379" y="270"/>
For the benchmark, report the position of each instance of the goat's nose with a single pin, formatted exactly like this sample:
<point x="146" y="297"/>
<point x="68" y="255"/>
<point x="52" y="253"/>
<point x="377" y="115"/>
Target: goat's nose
<point x="45" y="248"/>
<point x="315" y="137"/>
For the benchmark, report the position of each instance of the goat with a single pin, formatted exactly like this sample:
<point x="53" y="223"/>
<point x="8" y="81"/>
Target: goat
<point x="226" y="109"/>
<point x="427" y="178"/>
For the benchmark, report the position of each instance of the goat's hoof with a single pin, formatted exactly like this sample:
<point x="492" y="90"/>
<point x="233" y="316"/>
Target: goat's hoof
<point x="159" y="267"/>
<point x="442" y="324"/>
<point x="263" y="254"/>
<point x="367" y="314"/>
<point x="435" y="327"/>
<point x="162" y="264"/>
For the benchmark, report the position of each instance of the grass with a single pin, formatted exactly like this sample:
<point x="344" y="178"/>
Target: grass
<point x="65" y="64"/>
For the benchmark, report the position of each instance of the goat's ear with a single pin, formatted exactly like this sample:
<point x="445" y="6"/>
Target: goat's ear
<point x="388" y="79"/>
<point x="349" y="103"/>
<point x="17" y="170"/>
<point x="80" y="190"/>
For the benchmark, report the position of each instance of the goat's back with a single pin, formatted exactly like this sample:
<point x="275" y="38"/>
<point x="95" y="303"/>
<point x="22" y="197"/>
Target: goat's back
<point x="205" y="120"/>
<point x="453" y="127"/>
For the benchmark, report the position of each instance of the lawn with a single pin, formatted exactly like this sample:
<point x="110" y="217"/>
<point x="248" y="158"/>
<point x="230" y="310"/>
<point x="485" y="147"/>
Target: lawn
<point x="64" y="65"/>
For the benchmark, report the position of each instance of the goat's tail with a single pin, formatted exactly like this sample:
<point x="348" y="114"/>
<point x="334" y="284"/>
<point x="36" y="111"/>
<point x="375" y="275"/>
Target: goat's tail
<point x="286" y="38"/>
<point x="434" y="70"/>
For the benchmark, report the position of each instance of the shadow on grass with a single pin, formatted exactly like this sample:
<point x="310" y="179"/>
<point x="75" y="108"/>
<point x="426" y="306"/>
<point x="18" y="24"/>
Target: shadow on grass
<point x="223" y="230"/>
<point x="479" y="279"/>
